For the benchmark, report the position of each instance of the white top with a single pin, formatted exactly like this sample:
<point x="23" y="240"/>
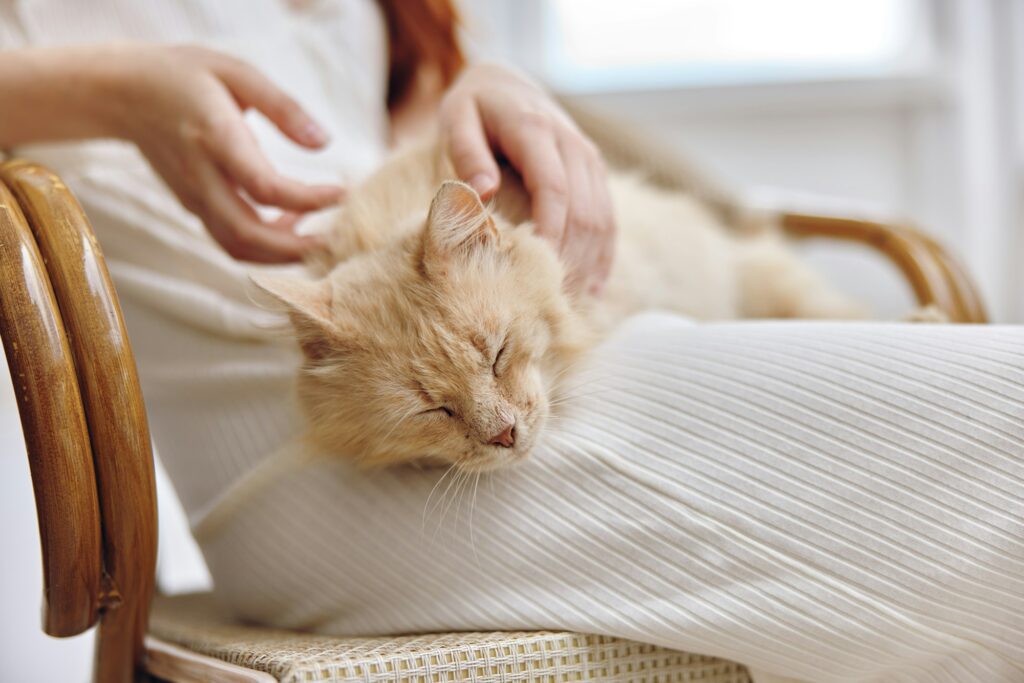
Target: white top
<point x="200" y="342"/>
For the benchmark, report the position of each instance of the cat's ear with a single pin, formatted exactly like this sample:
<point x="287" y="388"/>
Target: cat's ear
<point x="308" y="303"/>
<point x="458" y="223"/>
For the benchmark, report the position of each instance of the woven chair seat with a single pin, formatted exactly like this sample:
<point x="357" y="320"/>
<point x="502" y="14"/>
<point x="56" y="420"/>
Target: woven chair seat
<point x="194" y="622"/>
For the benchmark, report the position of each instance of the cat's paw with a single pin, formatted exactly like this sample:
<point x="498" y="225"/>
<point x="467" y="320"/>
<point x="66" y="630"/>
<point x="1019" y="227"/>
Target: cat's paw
<point x="927" y="314"/>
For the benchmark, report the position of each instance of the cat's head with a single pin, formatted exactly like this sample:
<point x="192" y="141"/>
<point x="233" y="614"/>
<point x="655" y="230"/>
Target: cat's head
<point x="443" y="347"/>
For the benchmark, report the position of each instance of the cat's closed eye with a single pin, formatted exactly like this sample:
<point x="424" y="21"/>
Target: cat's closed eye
<point x="441" y="410"/>
<point x="497" y="358"/>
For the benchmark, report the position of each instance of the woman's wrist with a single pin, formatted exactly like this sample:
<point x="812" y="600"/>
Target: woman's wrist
<point x="99" y="82"/>
<point x="56" y="94"/>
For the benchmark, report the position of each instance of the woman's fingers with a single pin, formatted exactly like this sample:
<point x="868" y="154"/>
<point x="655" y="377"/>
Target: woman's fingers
<point x="586" y="246"/>
<point x="236" y="226"/>
<point x="566" y="179"/>
<point x="590" y="225"/>
<point x="491" y="111"/>
<point x="468" y="149"/>
<point x="188" y="122"/>
<point x="252" y="89"/>
<point x="530" y="143"/>
<point x="577" y="248"/>
<point x="286" y="221"/>
<point x="233" y="147"/>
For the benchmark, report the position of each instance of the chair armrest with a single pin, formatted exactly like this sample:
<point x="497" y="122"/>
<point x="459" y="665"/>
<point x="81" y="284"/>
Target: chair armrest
<point x="935" y="276"/>
<point x="54" y="426"/>
<point x="109" y="392"/>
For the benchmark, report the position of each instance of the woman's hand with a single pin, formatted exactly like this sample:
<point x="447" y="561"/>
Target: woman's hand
<point x="183" y="106"/>
<point x="491" y="110"/>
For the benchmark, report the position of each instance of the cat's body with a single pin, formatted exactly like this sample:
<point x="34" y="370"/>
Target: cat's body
<point x="440" y="336"/>
<point x="672" y="252"/>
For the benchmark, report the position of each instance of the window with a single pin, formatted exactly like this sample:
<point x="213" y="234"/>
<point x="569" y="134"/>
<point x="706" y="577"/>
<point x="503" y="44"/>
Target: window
<point x="591" y="45"/>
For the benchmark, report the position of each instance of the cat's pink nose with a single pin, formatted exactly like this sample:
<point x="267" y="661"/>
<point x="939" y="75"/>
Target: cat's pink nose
<point x="506" y="437"/>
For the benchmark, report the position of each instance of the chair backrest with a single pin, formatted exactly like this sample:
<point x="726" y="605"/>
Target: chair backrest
<point x="83" y="418"/>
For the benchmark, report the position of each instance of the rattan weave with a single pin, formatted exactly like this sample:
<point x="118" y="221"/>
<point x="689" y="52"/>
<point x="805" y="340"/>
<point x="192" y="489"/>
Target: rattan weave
<point x="506" y="657"/>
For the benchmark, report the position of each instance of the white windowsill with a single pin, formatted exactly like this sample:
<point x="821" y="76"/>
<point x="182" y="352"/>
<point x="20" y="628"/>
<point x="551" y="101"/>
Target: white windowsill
<point x="841" y="94"/>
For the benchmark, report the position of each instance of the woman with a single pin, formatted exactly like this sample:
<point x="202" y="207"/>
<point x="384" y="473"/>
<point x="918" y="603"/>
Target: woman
<point x="814" y="500"/>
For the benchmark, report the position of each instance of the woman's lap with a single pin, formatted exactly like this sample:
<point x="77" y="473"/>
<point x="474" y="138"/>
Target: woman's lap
<point x="829" y="502"/>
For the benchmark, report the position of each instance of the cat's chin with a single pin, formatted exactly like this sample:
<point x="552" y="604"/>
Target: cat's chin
<point x="495" y="458"/>
<point x="479" y="459"/>
<point x="468" y="463"/>
<point x="491" y="463"/>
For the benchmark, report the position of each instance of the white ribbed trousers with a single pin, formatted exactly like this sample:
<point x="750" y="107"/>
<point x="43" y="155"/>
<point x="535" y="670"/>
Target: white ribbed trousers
<point x="827" y="502"/>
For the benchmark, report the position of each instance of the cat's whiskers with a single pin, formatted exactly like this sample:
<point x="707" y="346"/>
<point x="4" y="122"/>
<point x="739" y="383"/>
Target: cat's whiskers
<point x="444" y="502"/>
<point x="472" y="507"/>
<point x="562" y="400"/>
<point x="579" y="382"/>
<point x="460" y="474"/>
<point x="554" y="380"/>
<point x="410" y="413"/>
<point x="576" y="386"/>
<point x="460" y="493"/>
<point x="426" y="504"/>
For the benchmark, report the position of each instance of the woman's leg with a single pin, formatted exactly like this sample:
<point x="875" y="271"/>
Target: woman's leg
<point x="829" y="502"/>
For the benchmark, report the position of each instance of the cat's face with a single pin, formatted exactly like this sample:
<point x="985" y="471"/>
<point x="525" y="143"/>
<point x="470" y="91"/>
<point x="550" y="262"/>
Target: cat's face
<point x="443" y="348"/>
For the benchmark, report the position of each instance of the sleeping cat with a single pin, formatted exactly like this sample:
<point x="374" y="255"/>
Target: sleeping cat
<point x="441" y="327"/>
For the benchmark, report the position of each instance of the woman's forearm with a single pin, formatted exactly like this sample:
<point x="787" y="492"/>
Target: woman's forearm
<point x="182" y="106"/>
<point x="52" y="94"/>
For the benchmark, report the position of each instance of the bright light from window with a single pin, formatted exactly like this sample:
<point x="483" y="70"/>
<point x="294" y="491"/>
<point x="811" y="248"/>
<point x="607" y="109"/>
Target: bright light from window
<point x="645" y="43"/>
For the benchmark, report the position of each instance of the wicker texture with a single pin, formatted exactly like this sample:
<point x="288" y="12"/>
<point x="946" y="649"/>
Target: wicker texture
<point x="194" y="622"/>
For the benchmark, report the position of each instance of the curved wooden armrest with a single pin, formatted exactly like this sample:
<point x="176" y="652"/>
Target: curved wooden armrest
<point x="53" y="422"/>
<point x="107" y="392"/>
<point x="936" y="278"/>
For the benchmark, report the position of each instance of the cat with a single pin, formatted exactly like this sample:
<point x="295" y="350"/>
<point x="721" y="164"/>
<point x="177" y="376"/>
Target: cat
<point x="441" y="327"/>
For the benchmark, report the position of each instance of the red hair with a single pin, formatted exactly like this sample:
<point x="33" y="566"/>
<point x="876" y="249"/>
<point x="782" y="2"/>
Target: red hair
<point x="421" y="34"/>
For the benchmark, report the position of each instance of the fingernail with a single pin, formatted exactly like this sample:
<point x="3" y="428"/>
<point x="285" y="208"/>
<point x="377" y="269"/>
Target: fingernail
<point x="314" y="134"/>
<point x="482" y="182"/>
<point x="333" y="192"/>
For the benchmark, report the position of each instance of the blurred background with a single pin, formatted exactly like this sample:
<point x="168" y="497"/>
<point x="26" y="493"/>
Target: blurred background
<point x="911" y="109"/>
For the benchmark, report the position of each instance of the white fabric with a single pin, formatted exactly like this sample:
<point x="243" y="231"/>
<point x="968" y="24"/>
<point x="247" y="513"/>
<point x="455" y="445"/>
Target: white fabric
<point x="187" y="303"/>
<point x="823" y="502"/>
<point x="830" y="502"/>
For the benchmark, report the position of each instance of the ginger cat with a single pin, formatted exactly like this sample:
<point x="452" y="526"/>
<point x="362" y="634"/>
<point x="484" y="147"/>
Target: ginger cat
<point x="441" y="327"/>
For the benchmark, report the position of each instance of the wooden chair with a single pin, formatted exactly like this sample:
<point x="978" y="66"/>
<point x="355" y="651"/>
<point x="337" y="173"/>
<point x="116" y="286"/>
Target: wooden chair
<point x="92" y="470"/>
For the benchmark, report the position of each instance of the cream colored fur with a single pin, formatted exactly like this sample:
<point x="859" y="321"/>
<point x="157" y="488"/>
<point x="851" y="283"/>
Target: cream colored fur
<point x="440" y="322"/>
